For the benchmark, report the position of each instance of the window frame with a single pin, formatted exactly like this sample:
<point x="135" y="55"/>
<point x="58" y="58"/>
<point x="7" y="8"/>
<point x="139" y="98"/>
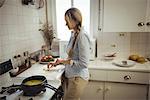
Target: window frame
<point x="94" y="22"/>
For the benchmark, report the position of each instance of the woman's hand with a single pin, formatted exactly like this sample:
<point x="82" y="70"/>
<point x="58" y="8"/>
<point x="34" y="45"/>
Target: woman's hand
<point x="57" y="62"/>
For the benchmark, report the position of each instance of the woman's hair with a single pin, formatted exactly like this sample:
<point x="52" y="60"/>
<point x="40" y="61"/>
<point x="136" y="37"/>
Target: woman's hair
<point x="75" y="14"/>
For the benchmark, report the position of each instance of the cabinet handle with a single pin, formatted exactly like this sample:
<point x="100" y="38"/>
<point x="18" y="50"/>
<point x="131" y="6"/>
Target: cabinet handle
<point x="99" y="89"/>
<point x="99" y="29"/>
<point x="107" y="89"/>
<point x="148" y="23"/>
<point x="127" y="77"/>
<point x="141" y="24"/>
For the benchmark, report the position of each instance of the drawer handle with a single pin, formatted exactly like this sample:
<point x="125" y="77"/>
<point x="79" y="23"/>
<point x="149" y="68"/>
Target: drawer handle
<point x="148" y="23"/>
<point x="141" y="24"/>
<point x="127" y="77"/>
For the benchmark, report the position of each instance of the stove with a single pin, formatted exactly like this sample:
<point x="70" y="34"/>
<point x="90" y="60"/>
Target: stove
<point x="10" y="88"/>
<point x="14" y="92"/>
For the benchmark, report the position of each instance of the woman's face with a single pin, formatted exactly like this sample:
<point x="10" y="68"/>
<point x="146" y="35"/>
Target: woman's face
<point x="70" y="23"/>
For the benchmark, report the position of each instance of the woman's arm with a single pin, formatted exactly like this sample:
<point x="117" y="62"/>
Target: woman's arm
<point x="84" y="52"/>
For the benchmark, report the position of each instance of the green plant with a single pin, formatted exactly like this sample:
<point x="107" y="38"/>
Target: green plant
<point x="48" y="34"/>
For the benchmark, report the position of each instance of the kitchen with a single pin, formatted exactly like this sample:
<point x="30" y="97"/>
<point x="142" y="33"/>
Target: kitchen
<point x="123" y="30"/>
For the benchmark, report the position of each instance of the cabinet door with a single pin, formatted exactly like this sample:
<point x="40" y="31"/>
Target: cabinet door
<point x="121" y="91"/>
<point x="93" y="91"/>
<point x="124" y="15"/>
<point x="149" y="93"/>
<point x="148" y="17"/>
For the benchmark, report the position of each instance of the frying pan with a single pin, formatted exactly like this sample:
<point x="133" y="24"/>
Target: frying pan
<point x="32" y="90"/>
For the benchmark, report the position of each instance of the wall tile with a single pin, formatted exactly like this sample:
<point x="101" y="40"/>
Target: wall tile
<point x="19" y="26"/>
<point x="129" y="43"/>
<point x="139" y="42"/>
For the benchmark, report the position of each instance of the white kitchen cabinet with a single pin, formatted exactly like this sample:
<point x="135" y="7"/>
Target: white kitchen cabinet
<point x="97" y="90"/>
<point x="148" y="16"/>
<point x="125" y="15"/>
<point x="149" y="94"/>
<point x="116" y="85"/>
<point x="93" y="91"/>
<point x="121" y="91"/>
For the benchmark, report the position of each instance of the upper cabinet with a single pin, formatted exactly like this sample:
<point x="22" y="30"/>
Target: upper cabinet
<point x="148" y="16"/>
<point x="125" y="15"/>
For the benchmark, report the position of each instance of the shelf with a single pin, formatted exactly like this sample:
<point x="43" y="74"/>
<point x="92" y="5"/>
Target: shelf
<point x="21" y="69"/>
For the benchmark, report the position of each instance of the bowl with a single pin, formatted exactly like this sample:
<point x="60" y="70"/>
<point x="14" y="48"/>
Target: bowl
<point x="109" y="56"/>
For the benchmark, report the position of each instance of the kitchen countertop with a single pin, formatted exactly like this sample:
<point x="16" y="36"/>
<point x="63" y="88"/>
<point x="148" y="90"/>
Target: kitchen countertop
<point x="108" y="65"/>
<point x="53" y="77"/>
<point x="38" y="69"/>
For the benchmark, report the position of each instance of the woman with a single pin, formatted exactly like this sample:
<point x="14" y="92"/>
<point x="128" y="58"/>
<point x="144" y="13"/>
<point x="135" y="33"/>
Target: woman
<point x="76" y="65"/>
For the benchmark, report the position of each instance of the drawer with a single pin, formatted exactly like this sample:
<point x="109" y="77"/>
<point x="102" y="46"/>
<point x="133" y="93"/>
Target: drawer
<point x="128" y="77"/>
<point x="99" y="75"/>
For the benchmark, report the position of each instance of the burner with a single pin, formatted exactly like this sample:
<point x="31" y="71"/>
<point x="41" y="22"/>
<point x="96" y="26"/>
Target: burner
<point x="3" y="98"/>
<point x="10" y="89"/>
<point x="41" y="92"/>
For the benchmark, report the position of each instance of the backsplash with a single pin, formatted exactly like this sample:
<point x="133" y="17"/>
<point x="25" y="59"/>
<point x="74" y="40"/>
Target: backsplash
<point x="148" y="46"/>
<point x="124" y="44"/>
<point x="139" y="43"/>
<point x="19" y="26"/>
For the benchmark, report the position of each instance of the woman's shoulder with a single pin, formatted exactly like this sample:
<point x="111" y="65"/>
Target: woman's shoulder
<point x="83" y="33"/>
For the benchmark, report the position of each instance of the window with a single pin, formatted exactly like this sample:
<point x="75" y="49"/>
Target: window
<point x="62" y="6"/>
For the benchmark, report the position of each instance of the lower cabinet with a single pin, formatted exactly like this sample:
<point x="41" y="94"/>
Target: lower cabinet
<point x="122" y="91"/>
<point x="97" y="90"/>
<point x="149" y="93"/>
<point x="93" y="91"/>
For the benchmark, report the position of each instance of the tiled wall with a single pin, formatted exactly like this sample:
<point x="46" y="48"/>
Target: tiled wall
<point x="148" y="46"/>
<point x="124" y="44"/>
<point x="19" y="32"/>
<point x="110" y="43"/>
<point x="139" y="43"/>
<point x="19" y="26"/>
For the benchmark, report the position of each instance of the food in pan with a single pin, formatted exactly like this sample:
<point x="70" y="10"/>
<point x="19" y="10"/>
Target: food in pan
<point x="33" y="82"/>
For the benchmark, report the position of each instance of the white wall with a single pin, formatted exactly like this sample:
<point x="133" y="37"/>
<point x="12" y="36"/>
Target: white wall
<point x="19" y="26"/>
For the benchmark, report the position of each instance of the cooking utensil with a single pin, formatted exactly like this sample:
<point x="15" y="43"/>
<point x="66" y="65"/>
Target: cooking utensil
<point x="32" y="90"/>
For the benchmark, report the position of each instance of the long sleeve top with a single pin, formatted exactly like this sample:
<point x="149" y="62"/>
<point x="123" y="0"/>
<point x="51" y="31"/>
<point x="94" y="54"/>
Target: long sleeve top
<point x="80" y="57"/>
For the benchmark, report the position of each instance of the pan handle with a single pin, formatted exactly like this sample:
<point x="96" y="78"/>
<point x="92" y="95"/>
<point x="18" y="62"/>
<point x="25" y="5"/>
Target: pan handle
<point x="54" y="89"/>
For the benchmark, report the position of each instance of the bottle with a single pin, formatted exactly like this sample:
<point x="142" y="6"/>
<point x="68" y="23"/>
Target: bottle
<point x="42" y="54"/>
<point x="15" y="62"/>
<point x="27" y="59"/>
<point x="19" y="60"/>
